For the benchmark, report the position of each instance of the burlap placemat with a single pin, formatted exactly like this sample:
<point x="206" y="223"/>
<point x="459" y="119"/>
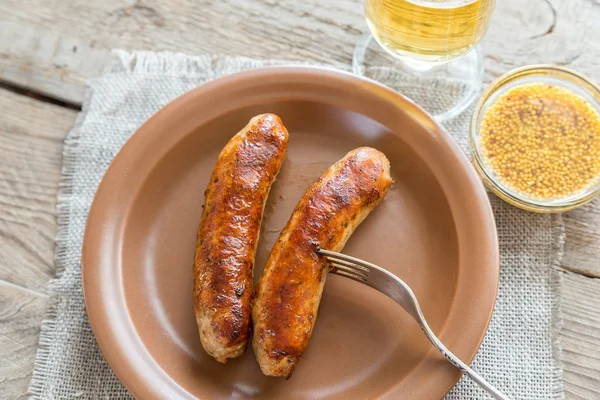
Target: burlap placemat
<point x="519" y="354"/>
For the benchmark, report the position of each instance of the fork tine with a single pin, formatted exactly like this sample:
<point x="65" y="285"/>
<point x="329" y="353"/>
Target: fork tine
<point x="395" y="288"/>
<point x="358" y="268"/>
<point x="351" y="270"/>
<point x="347" y="260"/>
<point x="349" y="275"/>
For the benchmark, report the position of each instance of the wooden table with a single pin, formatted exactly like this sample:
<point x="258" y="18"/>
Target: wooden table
<point x="48" y="49"/>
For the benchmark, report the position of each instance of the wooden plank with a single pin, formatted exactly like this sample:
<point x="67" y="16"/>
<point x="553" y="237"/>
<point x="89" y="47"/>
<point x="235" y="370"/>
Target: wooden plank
<point x="580" y="336"/>
<point x="31" y="141"/>
<point x="35" y="58"/>
<point x="20" y="317"/>
<point x="555" y="32"/>
<point x="41" y="51"/>
<point x="53" y="47"/>
<point x="582" y="246"/>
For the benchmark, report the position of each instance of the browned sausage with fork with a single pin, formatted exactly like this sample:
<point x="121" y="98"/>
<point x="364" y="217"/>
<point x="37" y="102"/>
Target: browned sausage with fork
<point x="289" y="291"/>
<point x="228" y="234"/>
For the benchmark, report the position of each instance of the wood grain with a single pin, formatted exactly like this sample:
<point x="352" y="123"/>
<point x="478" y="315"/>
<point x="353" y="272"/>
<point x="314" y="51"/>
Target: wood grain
<point x="582" y="246"/>
<point x="31" y="141"/>
<point x="20" y="317"/>
<point x="580" y="336"/>
<point x="53" y="47"/>
<point x="560" y="32"/>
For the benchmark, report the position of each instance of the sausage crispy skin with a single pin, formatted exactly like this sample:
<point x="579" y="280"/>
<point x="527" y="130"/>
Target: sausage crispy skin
<point x="289" y="291"/>
<point x="228" y="234"/>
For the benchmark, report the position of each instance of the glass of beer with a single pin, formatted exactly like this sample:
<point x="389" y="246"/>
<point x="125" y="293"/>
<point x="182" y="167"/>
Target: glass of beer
<point x="431" y="42"/>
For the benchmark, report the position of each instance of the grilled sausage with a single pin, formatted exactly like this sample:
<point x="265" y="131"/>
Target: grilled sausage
<point x="228" y="234"/>
<point x="289" y="290"/>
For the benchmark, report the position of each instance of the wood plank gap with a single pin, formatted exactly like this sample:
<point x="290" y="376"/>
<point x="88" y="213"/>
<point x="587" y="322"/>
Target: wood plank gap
<point x="587" y="274"/>
<point x="12" y="87"/>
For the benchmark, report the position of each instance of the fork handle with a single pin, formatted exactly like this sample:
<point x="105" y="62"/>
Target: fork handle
<point x="456" y="362"/>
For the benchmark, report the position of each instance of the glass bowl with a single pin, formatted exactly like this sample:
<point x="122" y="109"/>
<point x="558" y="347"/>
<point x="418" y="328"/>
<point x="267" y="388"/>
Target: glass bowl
<point x="556" y="76"/>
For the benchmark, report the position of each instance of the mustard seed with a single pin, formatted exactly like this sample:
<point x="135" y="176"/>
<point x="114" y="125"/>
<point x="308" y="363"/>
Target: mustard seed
<point x="542" y="141"/>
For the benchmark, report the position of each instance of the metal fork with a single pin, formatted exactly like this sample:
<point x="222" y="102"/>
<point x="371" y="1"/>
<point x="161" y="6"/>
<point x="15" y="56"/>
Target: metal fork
<point x="392" y="286"/>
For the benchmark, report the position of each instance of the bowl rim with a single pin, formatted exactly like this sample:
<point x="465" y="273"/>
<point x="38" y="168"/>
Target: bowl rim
<point x="101" y="262"/>
<point x="495" y="185"/>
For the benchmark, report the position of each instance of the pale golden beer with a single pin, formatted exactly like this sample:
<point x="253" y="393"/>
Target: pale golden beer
<point x="428" y="30"/>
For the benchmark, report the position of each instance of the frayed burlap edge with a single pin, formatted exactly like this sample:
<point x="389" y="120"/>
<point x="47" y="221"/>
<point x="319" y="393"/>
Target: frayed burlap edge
<point x="63" y="206"/>
<point x="558" y="233"/>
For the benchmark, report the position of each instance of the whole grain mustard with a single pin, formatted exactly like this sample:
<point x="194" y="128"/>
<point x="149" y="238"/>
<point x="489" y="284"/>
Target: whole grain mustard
<point x="542" y="141"/>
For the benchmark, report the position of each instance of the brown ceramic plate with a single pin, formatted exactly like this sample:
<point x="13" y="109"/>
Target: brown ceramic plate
<point x="435" y="230"/>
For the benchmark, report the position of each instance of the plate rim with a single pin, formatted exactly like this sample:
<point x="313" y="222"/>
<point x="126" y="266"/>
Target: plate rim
<point x="99" y="316"/>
